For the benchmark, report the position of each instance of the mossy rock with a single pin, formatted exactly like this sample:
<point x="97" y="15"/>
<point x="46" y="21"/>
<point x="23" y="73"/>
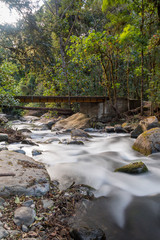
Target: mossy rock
<point x="133" y="168"/>
<point x="148" y="142"/>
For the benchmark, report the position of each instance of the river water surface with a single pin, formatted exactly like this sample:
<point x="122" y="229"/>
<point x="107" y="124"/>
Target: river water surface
<point x="126" y="206"/>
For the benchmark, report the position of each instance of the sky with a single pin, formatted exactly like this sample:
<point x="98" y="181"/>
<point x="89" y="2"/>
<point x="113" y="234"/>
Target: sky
<point x="6" y="16"/>
<point x="10" y="17"/>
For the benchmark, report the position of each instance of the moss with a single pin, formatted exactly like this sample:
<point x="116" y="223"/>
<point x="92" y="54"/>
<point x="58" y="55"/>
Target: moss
<point x="143" y="144"/>
<point x="148" y="133"/>
<point x="144" y="151"/>
<point x="10" y="163"/>
<point x="133" y="168"/>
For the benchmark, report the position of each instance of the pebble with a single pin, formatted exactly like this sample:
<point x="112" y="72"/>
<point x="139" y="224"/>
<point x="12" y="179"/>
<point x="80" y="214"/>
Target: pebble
<point x="2" y="201"/>
<point x="47" y="203"/>
<point x="28" y="203"/>
<point x="3" y="232"/>
<point x="24" y="216"/>
<point x="24" y="228"/>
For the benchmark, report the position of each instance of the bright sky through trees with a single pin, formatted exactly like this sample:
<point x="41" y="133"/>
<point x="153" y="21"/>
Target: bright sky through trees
<point x="7" y="16"/>
<point x="12" y="16"/>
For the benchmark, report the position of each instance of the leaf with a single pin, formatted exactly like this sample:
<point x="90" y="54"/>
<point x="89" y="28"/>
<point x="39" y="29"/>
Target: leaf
<point x="38" y="218"/>
<point x="17" y="200"/>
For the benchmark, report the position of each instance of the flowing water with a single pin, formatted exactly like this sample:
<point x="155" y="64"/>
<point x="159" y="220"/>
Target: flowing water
<point x="126" y="206"/>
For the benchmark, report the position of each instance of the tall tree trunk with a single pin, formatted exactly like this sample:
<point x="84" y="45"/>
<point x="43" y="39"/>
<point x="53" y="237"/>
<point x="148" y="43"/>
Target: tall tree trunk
<point x="142" y="57"/>
<point x="128" y="93"/>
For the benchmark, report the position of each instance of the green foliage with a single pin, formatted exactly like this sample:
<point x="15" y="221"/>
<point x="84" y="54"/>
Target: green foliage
<point x="74" y="48"/>
<point x="7" y="83"/>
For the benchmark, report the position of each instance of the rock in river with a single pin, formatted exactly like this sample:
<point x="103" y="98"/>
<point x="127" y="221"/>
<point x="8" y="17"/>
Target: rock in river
<point x="78" y="120"/>
<point x="79" y="133"/>
<point x="144" y="125"/>
<point x="148" y="142"/>
<point x="87" y="234"/>
<point x="21" y="175"/>
<point x="133" y="168"/>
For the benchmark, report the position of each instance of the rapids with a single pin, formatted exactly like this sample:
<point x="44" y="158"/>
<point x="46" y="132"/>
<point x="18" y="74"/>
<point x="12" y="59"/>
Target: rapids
<point x="126" y="206"/>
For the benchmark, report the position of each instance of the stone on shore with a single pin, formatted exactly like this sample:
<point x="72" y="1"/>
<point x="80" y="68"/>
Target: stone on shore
<point x="148" y="142"/>
<point x="144" y="125"/>
<point x="78" y="120"/>
<point x="24" y="216"/>
<point x="133" y="168"/>
<point x="24" y="176"/>
<point x="3" y="233"/>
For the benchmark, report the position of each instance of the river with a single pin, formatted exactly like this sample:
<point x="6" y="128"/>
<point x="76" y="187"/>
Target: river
<point x="126" y="207"/>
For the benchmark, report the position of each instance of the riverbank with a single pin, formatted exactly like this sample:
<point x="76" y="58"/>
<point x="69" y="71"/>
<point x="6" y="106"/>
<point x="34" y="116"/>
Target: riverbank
<point x="53" y="211"/>
<point x="71" y="204"/>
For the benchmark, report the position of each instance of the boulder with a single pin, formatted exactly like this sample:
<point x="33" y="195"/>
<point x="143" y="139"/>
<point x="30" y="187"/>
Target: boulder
<point x="99" y="125"/>
<point x="78" y="120"/>
<point x="36" y="152"/>
<point x="3" y="119"/>
<point x="19" y="151"/>
<point x="23" y="175"/>
<point x="50" y="140"/>
<point x="129" y="127"/>
<point x="136" y="132"/>
<point x="29" y="142"/>
<point x="109" y="129"/>
<point x="133" y="168"/>
<point x="144" y="125"/>
<point x="24" y="130"/>
<point x="88" y="234"/>
<point x="79" y="133"/>
<point x="71" y="142"/>
<point x="3" y="137"/>
<point x="148" y="142"/>
<point x="149" y="123"/>
<point x="119" y="129"/>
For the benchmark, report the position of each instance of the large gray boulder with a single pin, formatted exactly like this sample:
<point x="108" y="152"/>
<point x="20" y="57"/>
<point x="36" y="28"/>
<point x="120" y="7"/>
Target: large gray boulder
<point x="144" y="125"/>
<point x="148" y="142"/>
<point x="21" y="175"/>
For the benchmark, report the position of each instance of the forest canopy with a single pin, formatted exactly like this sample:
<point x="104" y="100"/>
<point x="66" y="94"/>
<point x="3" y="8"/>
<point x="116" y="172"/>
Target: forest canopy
<point x="82" y="47"/>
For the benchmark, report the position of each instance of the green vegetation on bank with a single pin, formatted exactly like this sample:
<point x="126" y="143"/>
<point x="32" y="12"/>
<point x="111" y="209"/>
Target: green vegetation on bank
<point x="82" y="47"/>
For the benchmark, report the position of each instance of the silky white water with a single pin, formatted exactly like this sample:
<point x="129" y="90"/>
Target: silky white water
<point x="93" y="164"/>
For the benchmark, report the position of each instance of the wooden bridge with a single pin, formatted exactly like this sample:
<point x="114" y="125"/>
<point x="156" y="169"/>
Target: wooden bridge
<point x="60" y="99"/>
<point x="97" y="106"/>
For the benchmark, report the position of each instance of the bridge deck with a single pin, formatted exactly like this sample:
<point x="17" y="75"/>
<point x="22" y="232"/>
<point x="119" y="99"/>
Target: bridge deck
<point x="59" y="99"/>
